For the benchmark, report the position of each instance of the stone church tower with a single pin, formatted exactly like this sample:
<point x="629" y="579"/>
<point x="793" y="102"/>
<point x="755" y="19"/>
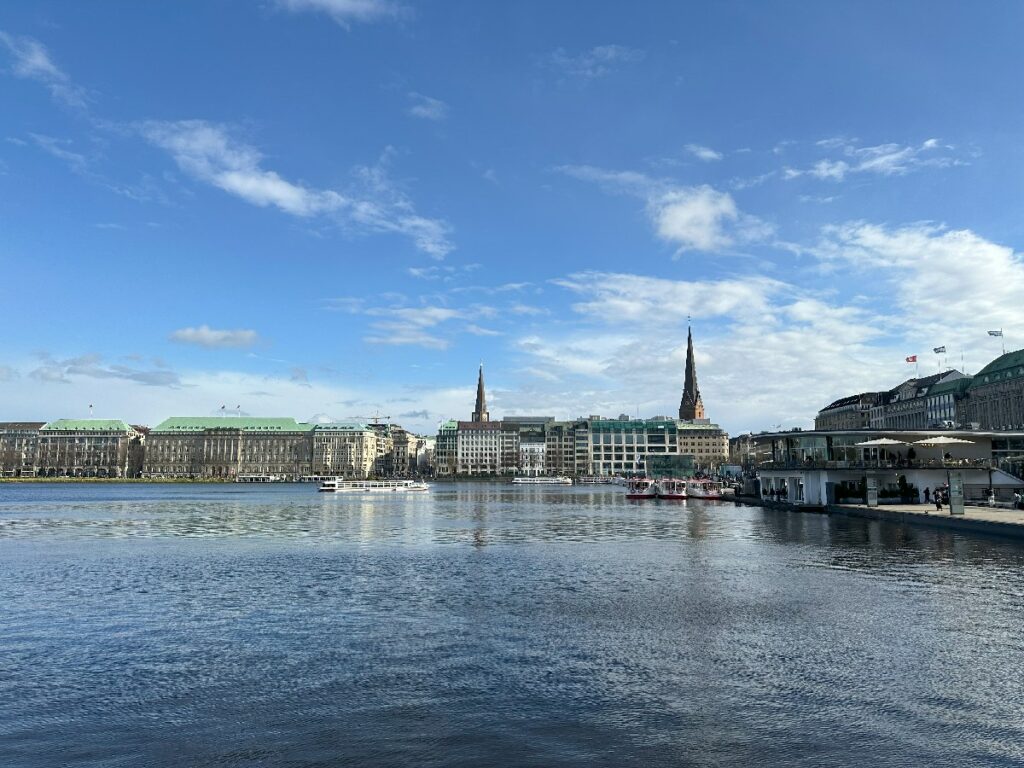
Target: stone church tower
<point x="690" y="407"/>
<point x="481" y="414"/>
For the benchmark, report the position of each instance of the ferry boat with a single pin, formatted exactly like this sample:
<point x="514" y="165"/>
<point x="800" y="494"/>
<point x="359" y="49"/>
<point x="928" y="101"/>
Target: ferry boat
<point x="542" y="480"/>
<point x="671" y="488"/>
<point x="641" y="488"/>
<point x="597" y="480"/>
<point x="704" y="489"/>
<point x="341" y="485"/>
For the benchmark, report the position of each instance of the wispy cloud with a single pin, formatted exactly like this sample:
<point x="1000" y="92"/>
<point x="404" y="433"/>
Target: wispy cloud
<point x="211" y="338"/>
<point x="344" y="12"/>
<point x="64" y="371"/>
<point x="692" y="218"/>
<point x="7" y="373"/>
<point x="703" y="153"/>
<point x="427" y="107"/>
<point x="208" y="152"/>
<point x="882" y="159"/>
<point x="33" y="62"/>
<point x="597" y="62"/>
<point x="58" y="148"/>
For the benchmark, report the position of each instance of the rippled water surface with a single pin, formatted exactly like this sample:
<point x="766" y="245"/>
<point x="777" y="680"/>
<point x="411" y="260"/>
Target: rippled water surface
<point x="494" y="625"/>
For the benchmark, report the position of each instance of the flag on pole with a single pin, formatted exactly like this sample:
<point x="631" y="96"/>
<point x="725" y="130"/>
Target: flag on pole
<point x="912" y="359"/>
<point x="939" y="350"/>
<point x="995" y="333"/>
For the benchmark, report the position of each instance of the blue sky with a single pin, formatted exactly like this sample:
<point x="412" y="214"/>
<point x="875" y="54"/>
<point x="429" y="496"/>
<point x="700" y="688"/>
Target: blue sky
<point x="340" y="207"/>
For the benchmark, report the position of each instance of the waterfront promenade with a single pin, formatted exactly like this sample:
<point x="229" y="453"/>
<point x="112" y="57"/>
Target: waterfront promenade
<point x="999" y="521"/>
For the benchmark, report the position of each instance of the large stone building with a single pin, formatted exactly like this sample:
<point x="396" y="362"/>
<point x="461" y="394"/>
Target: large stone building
<point x="230" y="448"/>
<point x="996" y="394"/>
<point x="18" y="446"/>
<point x="88" y="448"/>
<point x="906" y="406"/>
<point x="993" y="399"/>
<point x="344" y="449"/>
<point x="852" y="412"/>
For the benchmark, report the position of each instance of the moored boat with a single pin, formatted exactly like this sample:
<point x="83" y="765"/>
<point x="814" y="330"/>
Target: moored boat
<point x="704" y="489"/>
<point x="341" y="485"/>
<point x="641" y="488"/>
<point x="671" y="488"/>
<point x="542" y="480"/>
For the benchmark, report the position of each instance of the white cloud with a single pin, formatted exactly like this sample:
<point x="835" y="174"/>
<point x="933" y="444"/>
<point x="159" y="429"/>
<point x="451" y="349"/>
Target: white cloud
<point x="644" y="301"/>
<point x="693" y="218"/>
<point x="32" y="61"/>
<point x="346" y="11"/>
<point x="205" y="336"/>
<point x="207" y="152"/>
<point x="703" y="153"/>
<point x="7" y="373"/>
<point x="627" y="349"/>
<point x="882" y="159"/>
<point x="477" y="330"/>
<point x="52" y="370"/>
<point x="427" y="107"/>
<point x="414" y="326"/>
<point x="597" y="62"/>
<point x="952" y="283"/>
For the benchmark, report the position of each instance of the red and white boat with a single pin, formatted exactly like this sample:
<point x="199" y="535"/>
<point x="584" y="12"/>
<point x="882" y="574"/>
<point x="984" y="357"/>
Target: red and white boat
<point x="641" y="488"/>
<point x="671" y="488"/>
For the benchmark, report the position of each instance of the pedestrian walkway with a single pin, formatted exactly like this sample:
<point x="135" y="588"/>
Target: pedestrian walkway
<point x="999" y="521"/>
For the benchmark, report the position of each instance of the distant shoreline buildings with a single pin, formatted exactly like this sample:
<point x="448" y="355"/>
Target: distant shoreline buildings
<point x="594" y="445"/>
<point x="268" y="449"/>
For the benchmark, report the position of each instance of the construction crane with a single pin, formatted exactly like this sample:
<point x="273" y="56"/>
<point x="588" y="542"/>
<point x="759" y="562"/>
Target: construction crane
<point x="375" y="418"/>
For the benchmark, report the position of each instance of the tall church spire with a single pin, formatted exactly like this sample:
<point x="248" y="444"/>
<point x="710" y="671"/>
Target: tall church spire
<point x="481" y="414"/>
<point x="690" y="407"/>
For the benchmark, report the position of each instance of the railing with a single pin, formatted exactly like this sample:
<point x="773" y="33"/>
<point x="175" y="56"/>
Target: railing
<point x="931" y="464"/>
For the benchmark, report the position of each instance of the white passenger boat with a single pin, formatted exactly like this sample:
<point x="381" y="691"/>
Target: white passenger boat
<point x="542" y="480"/>
<point x="597" y="480"/>
<point x="704" y="489"/>
<point x="671" y="488"/>
<point x="341" y="485"/>
<point x="641" y="488"/>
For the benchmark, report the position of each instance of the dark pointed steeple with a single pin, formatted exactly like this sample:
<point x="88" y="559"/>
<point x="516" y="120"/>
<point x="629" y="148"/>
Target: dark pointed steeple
<point x="690" y="407"/>
<point x="481" y="414"/>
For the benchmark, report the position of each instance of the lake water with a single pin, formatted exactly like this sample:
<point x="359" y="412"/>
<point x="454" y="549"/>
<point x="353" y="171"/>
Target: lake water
<point x="168" y="625"/>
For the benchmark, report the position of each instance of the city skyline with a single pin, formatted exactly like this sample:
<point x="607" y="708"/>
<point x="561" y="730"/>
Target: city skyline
<point x="348" y="224"/>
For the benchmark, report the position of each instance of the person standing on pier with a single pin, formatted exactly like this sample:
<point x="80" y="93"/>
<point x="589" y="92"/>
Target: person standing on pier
<point x="938" y="501"/>
<point x="927" y="492"/>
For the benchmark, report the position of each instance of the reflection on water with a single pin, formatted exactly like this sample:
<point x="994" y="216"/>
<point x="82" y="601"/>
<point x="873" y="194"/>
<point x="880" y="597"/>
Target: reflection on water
<point x="489" y="624"/>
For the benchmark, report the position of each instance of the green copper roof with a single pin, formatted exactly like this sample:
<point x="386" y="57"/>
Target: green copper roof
<point x="956" y="386"/>
<point x="1008" y="366"/>
<point x="87" y="425"/>
<point x="180" y="424"/>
